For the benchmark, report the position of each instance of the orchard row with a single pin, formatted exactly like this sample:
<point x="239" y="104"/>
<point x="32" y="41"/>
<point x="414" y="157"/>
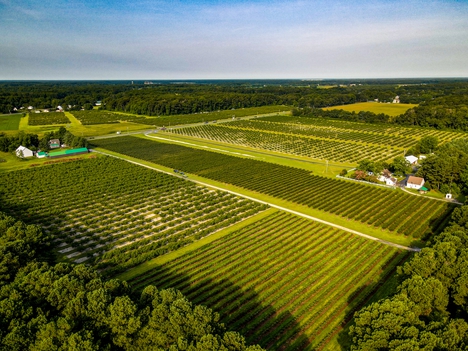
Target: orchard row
<point x="326" y="149"/>
<point x="115" y="214"/>
<point x="388" y="209"/>
<point x="284" y="282"/>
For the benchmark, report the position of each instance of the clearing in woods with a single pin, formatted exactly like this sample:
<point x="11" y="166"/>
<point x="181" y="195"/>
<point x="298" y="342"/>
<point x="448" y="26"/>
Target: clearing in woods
<point x="375" y="107"/>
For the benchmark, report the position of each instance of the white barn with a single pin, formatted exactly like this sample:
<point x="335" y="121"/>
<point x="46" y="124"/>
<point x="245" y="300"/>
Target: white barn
<point x="22" y="151"/>
<point x="415" y="182"/>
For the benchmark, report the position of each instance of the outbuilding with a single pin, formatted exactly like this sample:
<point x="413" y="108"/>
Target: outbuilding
<point x="24" y="152"/>
<point x="41" y="154"/>
<point x="69" y="152"/>
<point x="411" y="159"/>
<point x="54" y="143"/>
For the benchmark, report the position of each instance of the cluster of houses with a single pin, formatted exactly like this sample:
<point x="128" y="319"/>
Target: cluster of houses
<point x="412" y="182"/>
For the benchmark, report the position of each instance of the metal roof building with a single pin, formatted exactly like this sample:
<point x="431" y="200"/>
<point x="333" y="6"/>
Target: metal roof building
<point x="69" y="152"/>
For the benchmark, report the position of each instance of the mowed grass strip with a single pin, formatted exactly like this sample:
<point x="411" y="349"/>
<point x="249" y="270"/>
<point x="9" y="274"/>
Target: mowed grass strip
<point x="285" y="282"/>
<point x="375" y="107"/>
<point x="10" y="122"/>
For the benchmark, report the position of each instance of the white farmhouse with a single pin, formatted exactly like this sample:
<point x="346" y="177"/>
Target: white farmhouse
<point x="388" y="180"/>
<point x="22" y="152"/>
<point x="411" y="159"/>
<point x="415" y="182"/>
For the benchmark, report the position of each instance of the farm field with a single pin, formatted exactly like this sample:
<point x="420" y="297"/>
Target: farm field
<point x="284" y="282"/>
<point x="9" y="122"/>
<point x="390" y="210"/>
<point x="316" y="138"/>
<point x="110" y="117"/>
<point x="291" y="143"/>
<point x="375" y="107"/>
<point x="47" y="118"/>
<point x="379" y="129"/>
<point x="114" y="214"/>
<point x="319" y="167"/>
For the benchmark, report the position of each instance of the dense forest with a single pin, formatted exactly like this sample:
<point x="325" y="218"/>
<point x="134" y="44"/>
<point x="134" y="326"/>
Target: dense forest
<point x="169" y="98"/>
<point x="58" y="306"/>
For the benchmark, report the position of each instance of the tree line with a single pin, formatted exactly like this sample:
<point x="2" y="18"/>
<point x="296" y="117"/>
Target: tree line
<point x="166" y="98"/>
<point x="59" y="306"/>
<point x="429" y="309"/>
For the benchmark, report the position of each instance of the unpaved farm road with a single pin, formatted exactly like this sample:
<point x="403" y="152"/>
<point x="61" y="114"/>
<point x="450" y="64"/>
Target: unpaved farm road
<point x="415" y="249"/>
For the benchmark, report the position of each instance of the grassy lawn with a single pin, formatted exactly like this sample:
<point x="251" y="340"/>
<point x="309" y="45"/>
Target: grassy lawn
<point x="375" y="107"/>
<point x="318" y="167"/>
<point x="10" y="122"/>
<point x="335" y="219"/>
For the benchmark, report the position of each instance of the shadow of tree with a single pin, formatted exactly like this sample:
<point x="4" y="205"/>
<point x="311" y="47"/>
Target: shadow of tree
<point x="366" y="294"/>
<point x="240" y="309"/>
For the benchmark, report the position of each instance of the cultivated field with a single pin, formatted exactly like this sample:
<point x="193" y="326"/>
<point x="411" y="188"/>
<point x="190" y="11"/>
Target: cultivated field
<point x="9" y="122"/>
<point x="110" y="117"/>
<point x="378" y="129"/>
<point x="375" y="107"/>
<point x="322" y="139"/>
<point x="284" y="282"/>
<point x="47" y="118"/>
<point x="391" y="210"/>
<point x="116" y="214"/>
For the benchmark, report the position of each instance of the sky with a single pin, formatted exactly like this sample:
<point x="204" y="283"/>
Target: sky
<point x="236" y="39"/>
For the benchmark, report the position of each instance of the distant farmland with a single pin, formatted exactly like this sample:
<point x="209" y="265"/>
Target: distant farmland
<point x="9" y="122"/>
<point x="375" y="107"/>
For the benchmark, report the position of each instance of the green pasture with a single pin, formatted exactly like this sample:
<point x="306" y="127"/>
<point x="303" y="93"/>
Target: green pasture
<point x="10" y="122"/>
<point x="375" y="107"/>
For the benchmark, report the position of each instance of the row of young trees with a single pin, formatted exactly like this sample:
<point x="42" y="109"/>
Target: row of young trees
<point x="65" y="307"/>
<point x="429" y="308"/>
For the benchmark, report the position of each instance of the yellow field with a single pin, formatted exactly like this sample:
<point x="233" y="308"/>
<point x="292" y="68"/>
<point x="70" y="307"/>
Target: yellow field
<point x="375" y="107"/>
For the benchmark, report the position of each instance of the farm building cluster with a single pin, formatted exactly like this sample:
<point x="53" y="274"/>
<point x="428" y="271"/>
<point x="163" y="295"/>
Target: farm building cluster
<point x="24" y="152"/>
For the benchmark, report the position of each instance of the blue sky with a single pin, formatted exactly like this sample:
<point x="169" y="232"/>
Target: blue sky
<point x="142" y="39"/>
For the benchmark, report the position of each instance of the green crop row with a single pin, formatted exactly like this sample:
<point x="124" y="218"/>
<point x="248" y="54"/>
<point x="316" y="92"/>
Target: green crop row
<point x="282" y="281"/>
<point x="116" y="215"/>
<point x="359" y="202"/>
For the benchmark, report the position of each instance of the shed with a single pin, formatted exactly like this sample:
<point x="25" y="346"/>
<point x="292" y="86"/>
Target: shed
<point x="415" y="182"/>
<point x="41" y="154"/>
<point x="411" y="159"/>
<point x="54" y="143"/>
<point x="23" y="152"/>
